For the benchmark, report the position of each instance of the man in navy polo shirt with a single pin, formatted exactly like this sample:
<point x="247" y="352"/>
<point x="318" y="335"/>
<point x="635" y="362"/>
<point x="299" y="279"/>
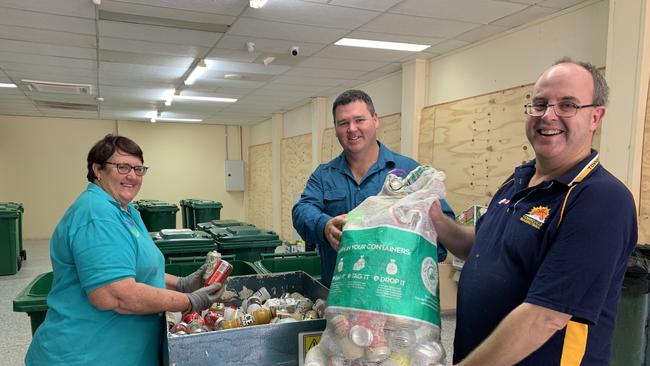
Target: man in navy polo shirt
<point x="544" y="265"/>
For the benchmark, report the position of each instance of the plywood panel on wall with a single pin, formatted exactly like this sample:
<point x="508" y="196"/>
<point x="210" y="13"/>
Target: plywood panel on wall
<point x="644" y="197"/>
<point x="259" y="176"/>
<point x="389" y="133"/>
<point x="476" y="142"/>
<point x="296" y="168"/>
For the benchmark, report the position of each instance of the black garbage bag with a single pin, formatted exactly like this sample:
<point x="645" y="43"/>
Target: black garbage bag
<point x="637" y="275"/>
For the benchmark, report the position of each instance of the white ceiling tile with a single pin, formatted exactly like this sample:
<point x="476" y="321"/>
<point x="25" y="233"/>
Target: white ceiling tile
<point x="527" y="15"/>
<point x="226" y="7"/>
<point x="61" y="78"/>
<point x="47" y="36"/>
<point x="529" y="2"/>
<point x="265" y="45"/>
<point x="142" y="59"/>
<point x="446" y="46"/>
<point x="14" y="69"/>
<point x="377" y="5"/>
<point x="152" y="48"/>
<point x="6" y="56"/>
<point x="340" y="64"/>
<point x="387" y="37"/>
<point x="324" y="73"/>
<point x="221" y="66"/>
<point x="75" y="8"/>
<point x="47" y="49"/>
<point x="480" y="33"/>
<point x="306" y="80"/>
<point x="367" y="54"/>
<point x="45" y="21"/>
<point x="417" y="26"/>
<point x="388" y="69"/>
<point x="55" y="40"/>
<point x="289" y="32"/>
<point x="320" y="15"/>
<point x="153" y="33"/>
<point x="559" y="4"/>
<point x="472" y="11"/>
<point x="214" y="13"/>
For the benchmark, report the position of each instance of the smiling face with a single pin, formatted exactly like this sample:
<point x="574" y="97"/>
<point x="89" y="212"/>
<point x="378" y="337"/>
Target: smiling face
<point x="563" y="141"/>
<point x="122" y="187"/>
<point x="356" y="128"/>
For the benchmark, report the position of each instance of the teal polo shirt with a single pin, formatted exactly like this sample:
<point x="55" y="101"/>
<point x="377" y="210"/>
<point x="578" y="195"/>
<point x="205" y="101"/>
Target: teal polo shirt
<point x="97" y="243"/>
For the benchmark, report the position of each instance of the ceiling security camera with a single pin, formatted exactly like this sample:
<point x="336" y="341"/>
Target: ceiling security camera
<point x="295" y="50"/>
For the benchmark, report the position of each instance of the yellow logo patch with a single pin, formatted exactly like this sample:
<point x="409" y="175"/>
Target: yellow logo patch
<point x="536" y="216"/>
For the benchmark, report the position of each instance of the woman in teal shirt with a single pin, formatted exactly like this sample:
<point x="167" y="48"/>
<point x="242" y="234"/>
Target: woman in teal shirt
<point x="110" y="289"/>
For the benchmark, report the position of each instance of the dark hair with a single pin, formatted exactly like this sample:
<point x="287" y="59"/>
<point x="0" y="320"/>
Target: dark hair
<point x="350" y="96"/>
<point x="106" y="147"/>
<point x="601" y="90"/>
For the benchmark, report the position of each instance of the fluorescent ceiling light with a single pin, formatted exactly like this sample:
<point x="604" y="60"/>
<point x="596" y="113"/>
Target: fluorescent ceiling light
<point x="206" y="99"/>
<point x="257" y="3"/>
<point x="169" y="96"/>
<point x="352" y="42"/>
<point x="180" y="119"/>
<point x="199" y="69"/>
<point x="7" y="85"/>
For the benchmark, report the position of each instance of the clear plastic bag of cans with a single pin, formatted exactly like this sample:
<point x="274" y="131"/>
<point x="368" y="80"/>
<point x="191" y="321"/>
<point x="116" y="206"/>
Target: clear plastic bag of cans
<point x="383" y="306"/>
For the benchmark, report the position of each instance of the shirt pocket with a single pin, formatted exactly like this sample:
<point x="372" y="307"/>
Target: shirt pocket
<point x="335" y="203"/>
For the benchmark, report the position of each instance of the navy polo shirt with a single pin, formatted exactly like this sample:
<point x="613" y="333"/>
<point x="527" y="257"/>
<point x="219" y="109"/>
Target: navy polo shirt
<point x="563" y="245"/>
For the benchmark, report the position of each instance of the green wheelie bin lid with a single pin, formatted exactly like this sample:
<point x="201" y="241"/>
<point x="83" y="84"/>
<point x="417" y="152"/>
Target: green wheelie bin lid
<point x="33" y="299"/>
<point x="183" y="242"/>
<point x="183" y="266"/>
<point x="247" y="242"/>
<point x="308" y="262"/>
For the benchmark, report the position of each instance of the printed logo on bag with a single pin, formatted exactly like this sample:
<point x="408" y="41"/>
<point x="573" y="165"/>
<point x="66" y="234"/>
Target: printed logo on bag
<point x="536" y="216"/>
<point x="429" y="275"/>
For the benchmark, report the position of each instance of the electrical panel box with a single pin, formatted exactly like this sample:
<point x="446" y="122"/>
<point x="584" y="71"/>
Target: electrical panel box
<point x="235" y="175"/>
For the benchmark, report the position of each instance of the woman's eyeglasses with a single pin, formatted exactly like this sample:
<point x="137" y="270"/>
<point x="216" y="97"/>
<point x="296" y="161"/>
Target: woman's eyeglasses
<point x="124" y="168"/>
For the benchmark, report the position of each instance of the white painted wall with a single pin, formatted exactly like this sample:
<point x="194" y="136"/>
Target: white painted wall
<point x="261" y="133"/>
<point x="521" y="55"/>
<point x="297" y="121"/>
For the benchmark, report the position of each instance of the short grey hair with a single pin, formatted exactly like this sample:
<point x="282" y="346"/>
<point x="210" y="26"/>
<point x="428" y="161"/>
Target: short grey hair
<point x="601" y="90"/>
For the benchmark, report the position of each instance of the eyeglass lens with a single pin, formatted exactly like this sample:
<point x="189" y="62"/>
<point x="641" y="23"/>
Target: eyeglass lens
<point x="123" y="168"/>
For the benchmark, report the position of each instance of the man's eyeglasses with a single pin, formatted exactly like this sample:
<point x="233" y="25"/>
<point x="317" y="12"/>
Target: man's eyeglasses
<point x="562" y="109"/>
<point x="124" y="168"/>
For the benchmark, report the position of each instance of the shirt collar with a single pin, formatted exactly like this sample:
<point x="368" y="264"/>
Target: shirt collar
<point x="573" y="176"/>
<point x="384" y="158"/>
<point x="92" y="187"/>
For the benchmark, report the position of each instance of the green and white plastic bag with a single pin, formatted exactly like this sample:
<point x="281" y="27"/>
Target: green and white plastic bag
<point x="383" y="306"/>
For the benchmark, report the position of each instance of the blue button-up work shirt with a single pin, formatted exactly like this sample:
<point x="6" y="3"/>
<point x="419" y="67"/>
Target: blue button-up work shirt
<point x="332" y="190"/>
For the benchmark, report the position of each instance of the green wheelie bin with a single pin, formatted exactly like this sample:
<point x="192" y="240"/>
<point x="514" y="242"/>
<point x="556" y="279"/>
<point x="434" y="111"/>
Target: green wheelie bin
<point x="197" y="211"/>
<point x="21" y="210"/>
<point x="10" y="257"/>
<point x="630" y="342"/>
<point x="157" y="215"/>
<point x="308" y="262"/>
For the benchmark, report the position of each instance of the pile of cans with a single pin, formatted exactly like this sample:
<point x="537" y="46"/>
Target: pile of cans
<point x="257" y="309"/>
<point x="362" y="338"/>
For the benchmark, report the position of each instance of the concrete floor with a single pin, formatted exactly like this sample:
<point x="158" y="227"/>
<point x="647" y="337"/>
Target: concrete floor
<point x="15" y="338"/>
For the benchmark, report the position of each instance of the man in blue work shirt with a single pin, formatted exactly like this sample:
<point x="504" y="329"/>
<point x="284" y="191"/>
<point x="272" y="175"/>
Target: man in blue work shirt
<point x="544" y="266"/>
<point x="357" y="173"/>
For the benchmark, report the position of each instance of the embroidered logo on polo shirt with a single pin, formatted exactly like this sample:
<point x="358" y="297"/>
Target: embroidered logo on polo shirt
<point x="134" y="230"/>
<point x="536" y="216"/>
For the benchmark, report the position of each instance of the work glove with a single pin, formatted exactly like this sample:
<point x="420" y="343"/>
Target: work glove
<point x="202" y="298"/>
<point x="191" y="282"/>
